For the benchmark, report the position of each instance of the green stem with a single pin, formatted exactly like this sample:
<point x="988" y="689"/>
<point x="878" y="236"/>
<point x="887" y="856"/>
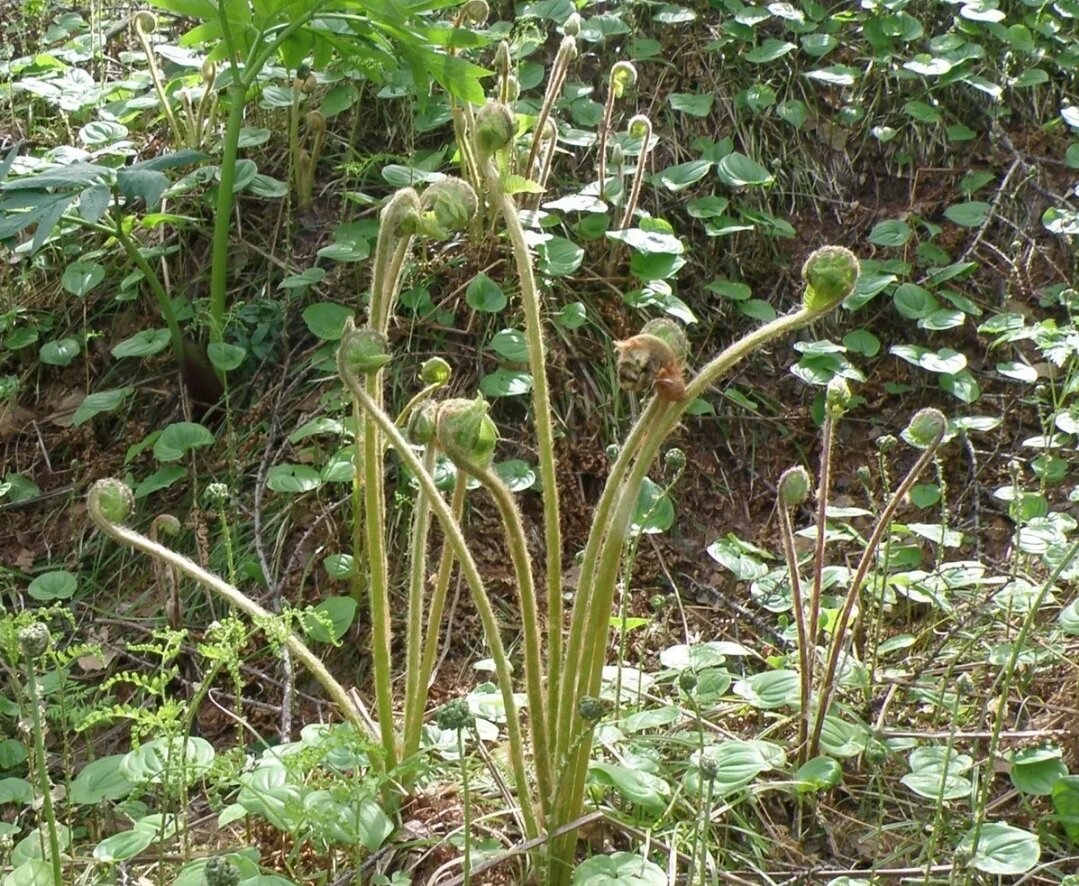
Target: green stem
<point x="466" y="803"/>
<point x="133" y="252"/>
<point x="41" y="764"/>
<point x="415" y="687"/>
<point x="541" y="407"/>
<point x="805" y="657"/>
<point x="869" y="553"/>
<point x="662" y="421"/>
<point x="222" y="588"/>
<point x="533" y="642"/>
<point x="823" y="491"/>
<point x="456" y="539"/>
<point x="378" y="590"/>
<point x="414" y="718"/>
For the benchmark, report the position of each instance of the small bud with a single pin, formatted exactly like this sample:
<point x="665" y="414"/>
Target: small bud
<point x="364" y="350"/>
<point x="435" y="371"/>
<point x="837" y="397"/>
<point x="310" y="84"/>
<point x="513" y="88"/>
<point x="794" y="486"/>
<point x="672" y="333"/>
<point x="146" y="22"/>
<point x="830" y="274"/>
<point x="495" y="128"/>
<point x="455" y="716"/>
<point x="618" y="156"/>
<point x="657" y="602"/>
<point x="466" y="432"/>
<point x="886" y="443"/>
<point x="590" y="709"/>
<point x="34" y="640"/>
<point x="864" y="475"/>
<point x="112" y="500"/>
<point x="402" y="212"/>
<point x="475" y="12"/>
<point x="674" y="460"/>
<point x="926" y="428"/>
<point x="209" y="72"/>
<point x="503" y="59"/>
<point x="215" y="496"/>
<point x="640" y="127"/>
<point x="451" y="204"/>
<point x="571" y="27"/>
<point x="708" y="766"/>
<point x="422" y="424"/>
<point x="623" y="78"/>
<point x="220" y="871"/>
<point x="316" y="121"/>
<point x="687" y="681"/>
<point x="568" y="47"/>
<point x="612" y="450"/>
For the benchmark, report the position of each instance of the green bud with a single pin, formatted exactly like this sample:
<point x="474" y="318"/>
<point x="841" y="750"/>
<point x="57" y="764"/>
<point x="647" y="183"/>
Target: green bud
<point x="674" y="460"/>
<point x="310" y="84"/>
<point x="657" y="602"/>
<point x="837" y="397"/>
<point x="670" y="332"/>
<point x="640" y="127"/>
<point x="209" y="72"/>
<point x="794" y="486"/>
<point x="316" y="121"/>
<point x="423" y="423"/>
<point x="220" y="871"/>
<point x="830" y="274"/>
<point x="34" y="640"/>
<point x="495" y="128"/>
<point x="475" y="12"/>
<point x="402" y="213"/>
<point x="364" y="350"/>
<point x="864" y="475"/>
<point x="215" y="496"/>
<point x="435" y="371"/>
<point x="466" y="432"/>
<point x="623" y="77"/>
<point x="450" y="205"/>
<point x="926" y="428"/>
<point x="502" y="58"/>
<point x="590" y="709"/>
<point x="886" y="443"/>
<point x="513" y="88"/>
<point x="708" y="766"/>
<point x="455" y="716"/>
<point x="687" y="681"/>
<point x="568" y="48"/>
<point x="146" y="22"/>
<point x="111" y="500"/>
<point x="618" y="156"/>
<point x="571" y="27"/>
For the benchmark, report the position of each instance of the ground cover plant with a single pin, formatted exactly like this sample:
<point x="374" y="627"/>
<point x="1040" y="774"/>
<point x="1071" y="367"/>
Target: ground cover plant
<point x="578" y="443"/>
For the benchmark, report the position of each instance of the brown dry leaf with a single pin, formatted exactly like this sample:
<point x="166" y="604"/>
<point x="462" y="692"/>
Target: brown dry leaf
<point x="63" y="410"/>
<point x="13" y="418"/>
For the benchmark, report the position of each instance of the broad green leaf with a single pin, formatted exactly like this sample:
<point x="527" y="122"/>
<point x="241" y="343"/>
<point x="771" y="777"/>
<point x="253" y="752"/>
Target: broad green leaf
<point x="506" y="383"/>
<point x="678" y="178"/>
<point x="891" y="232"/>
<point x="102" y="401"/>
<point x="1065" y="797"/>
<point x="818" y="774"/>
<point x="769" y="690"/>
<point x="691" y="103"/>
<point x="510" y="345"/>
<point x="80" y="277"/>
<point x="160" y="479"/>
<point x="100" y="780"/>
<point x="739" y="171"/>
<point x="124" y="845"/>
<point x="968" y="215"/>
<point x="180" y="438"/>
<point x="59" y="352"/>
<point x="341" y="611"/>
<point x="339" y="566"/>
<point x="619" y="869"/>
<point x="655" y="511"/>
<point x="484" y="294"/>
<point x="558" y="257"/>
<point x="516" y="474"/>
<point x="769" y="50"/>
<point x="224" y="356"/>
<point x="142" y="344"/>
<point x="326" y="320"/>
<point x="291" y="478"/>
<point x="1002" y="850"/>
<point x="58" y="585"/>
<point x="1036" y="770"/>
<point x="636" y="786"/>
